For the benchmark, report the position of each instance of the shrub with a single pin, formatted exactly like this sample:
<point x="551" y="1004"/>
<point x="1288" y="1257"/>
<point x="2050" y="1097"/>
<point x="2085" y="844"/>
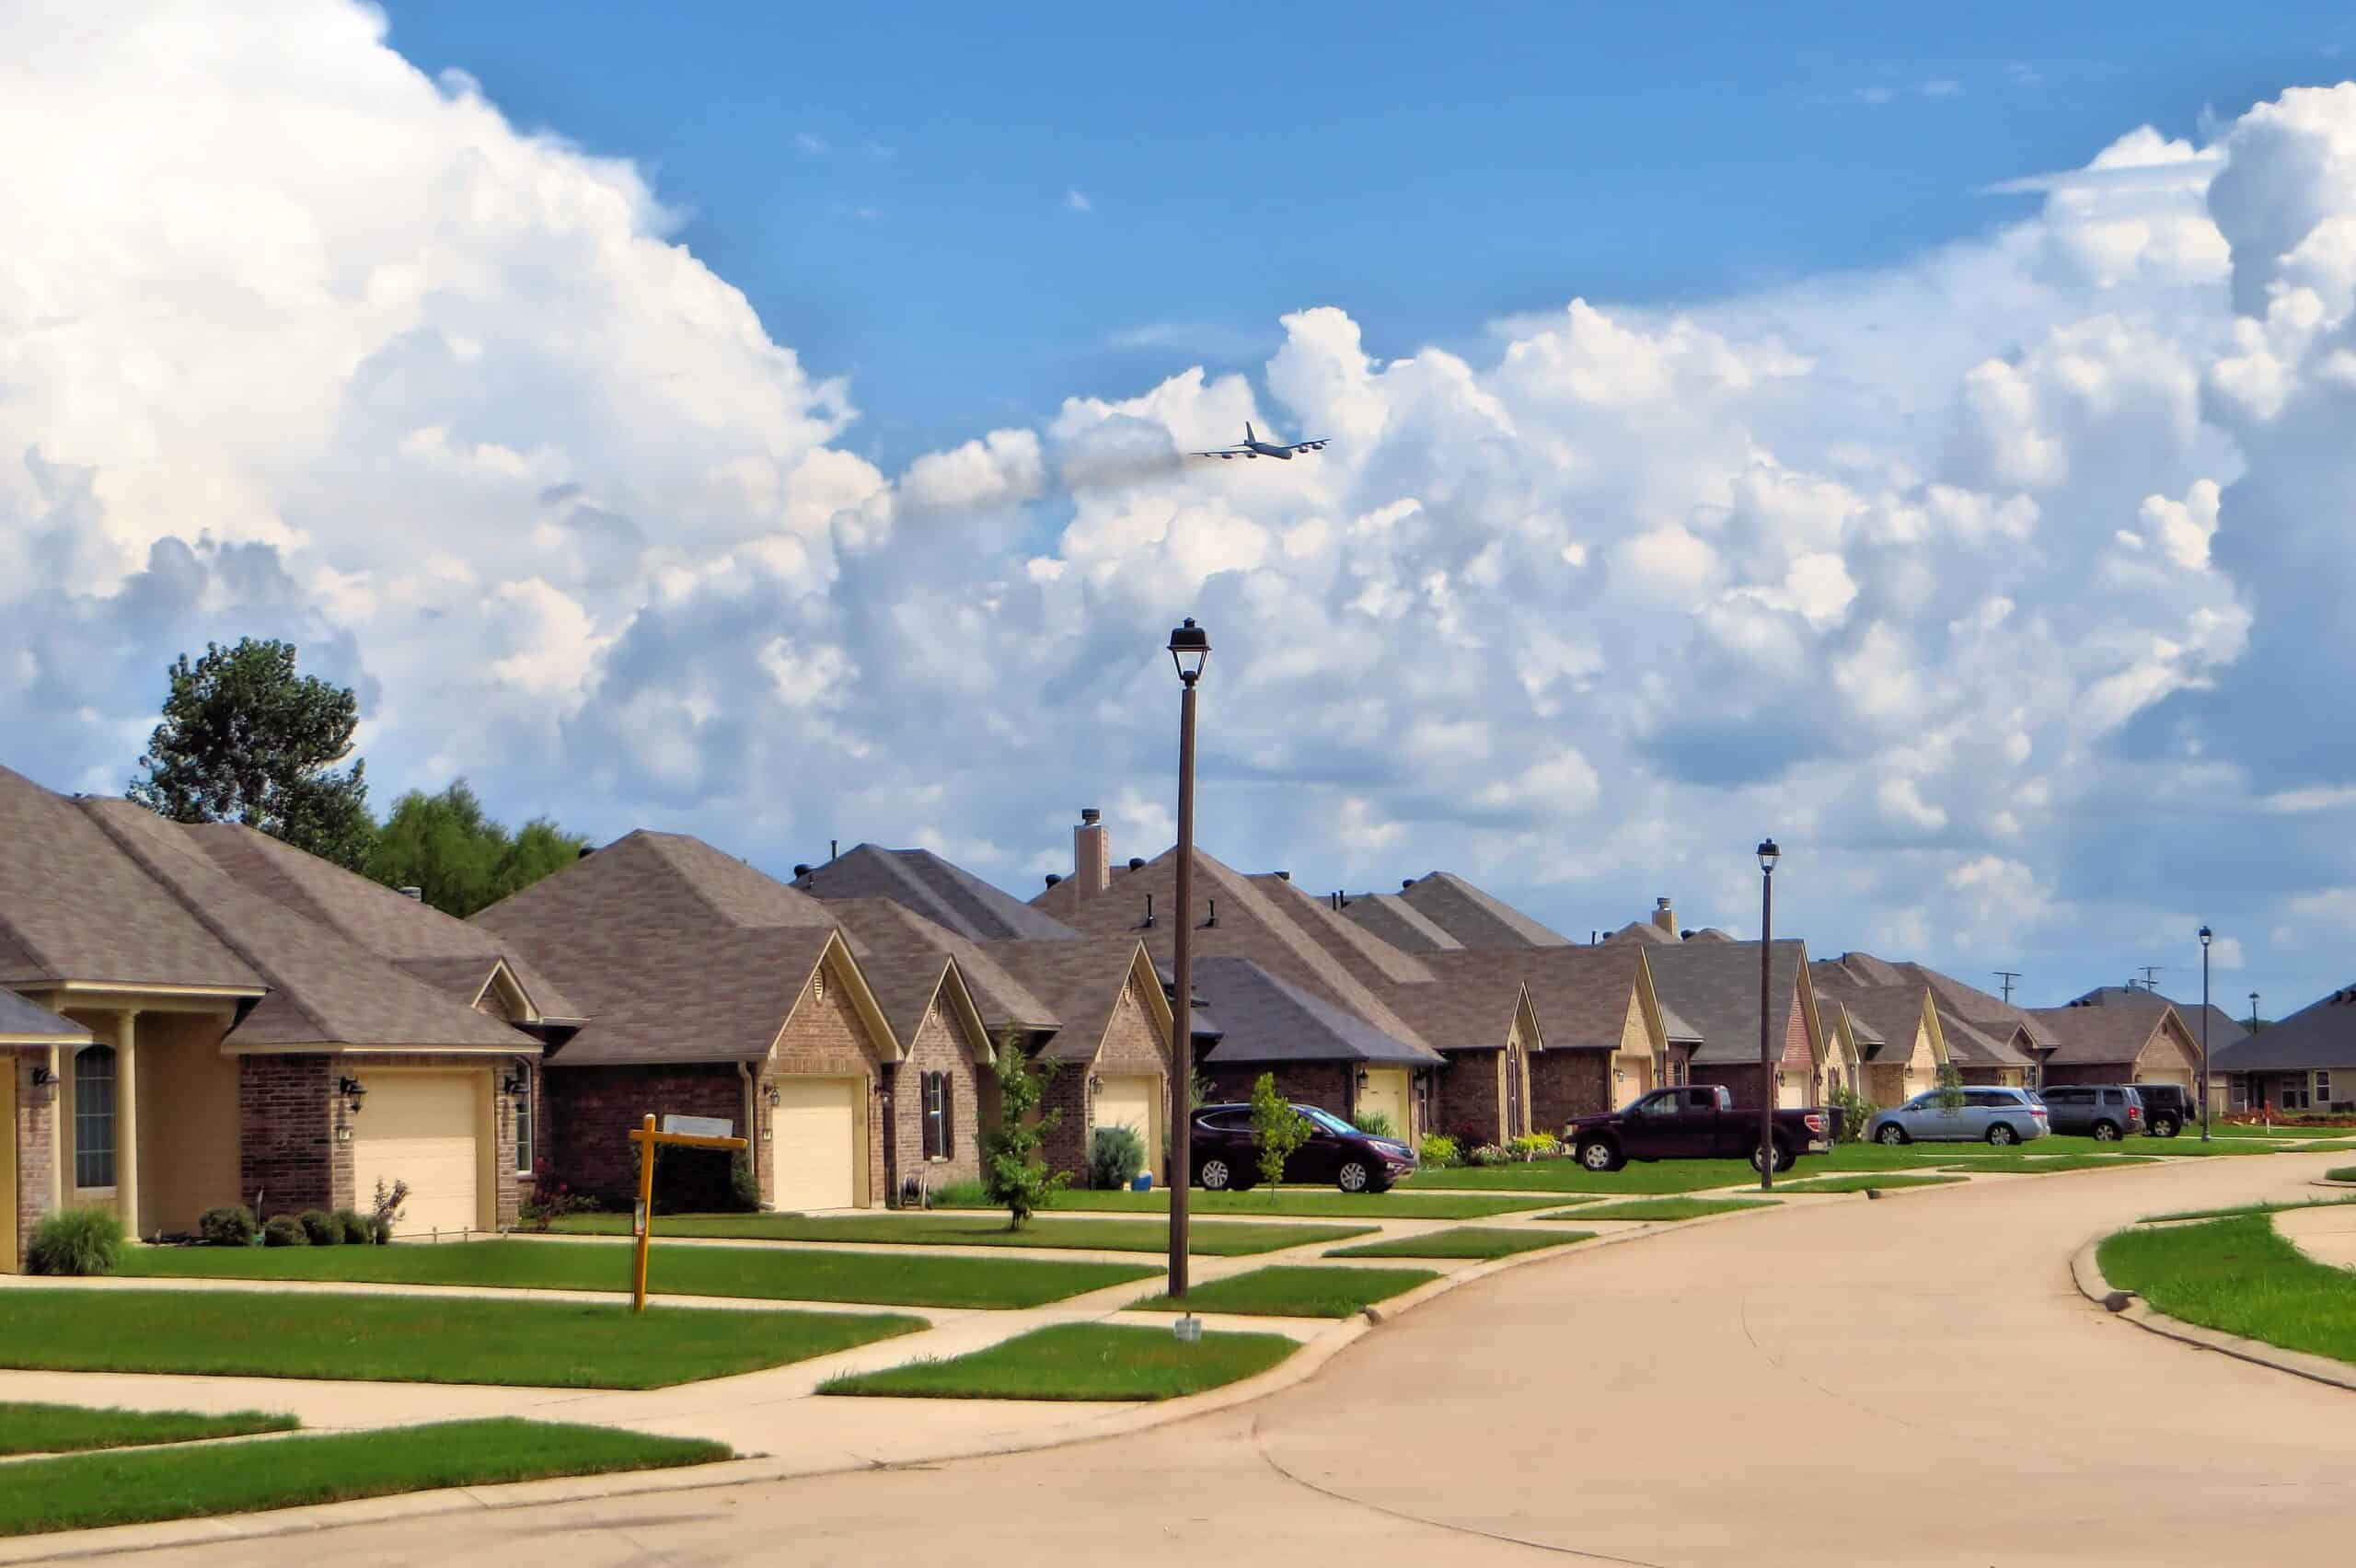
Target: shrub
<point x="1489" y="1154"/>
<point x="229" y="1225"/>
<point x="284" y="1230"/>
<point x="1439" y="1149"/>
<point x="76" y="1241"/>
<point x="743" y="1187"/>
<point x="358" y="1229"/>
<point x="962" y="1194"/>
<point x="1853" y="1111"/>
<point x="1014" y="1168"/>
<point x="550" y="1203"/>
<point x="1277" y="1128"/>
<point x="320" y="1228"/>
<point x="1378" y="1125"/>
<point x="388" y="1207"/>
<point x="1535" y="1145"/>
<point x="1115" y="1157"/>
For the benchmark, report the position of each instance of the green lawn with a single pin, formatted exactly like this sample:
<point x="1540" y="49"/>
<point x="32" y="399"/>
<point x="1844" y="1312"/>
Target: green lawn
<point x="2278" y="1130"/>
<point x="887" y="1278"/>
<point x="2335" y="1146"/>
<point x="1302" y="1291"/>
<point x="1463" y="1242"/>
<point x="2050" y="1164"/>
<point x="2184" y="1145"/>
<point x="1079" y="1361"/>
<point x="566" y="1345"/>
<point x="1882" y="1157"/>
<point x="1859" y="1183"/>
<point x="2239" y="1276"/>
<point x="2241" y="1209"/>
<point x="1314" y="1202"/>
<point x="84" y="1490"/>
<point x="2341" y="1173"/>
<point x="62" y="1429"/>
<point x="1663" y="1208"/>
<point x="967" y="1230"/>
<point x="1569" y="1176"/>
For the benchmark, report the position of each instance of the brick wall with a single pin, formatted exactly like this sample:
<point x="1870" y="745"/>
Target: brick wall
<point x="592" y="1112"/>
<point x="1740" y="1078"/>
<point x="1134" y="1044"/>
<point x="1564" y="1084"/>
<point x="2057" y="1073"/>
<point x="825" y="1037"/>
<point x="1325" y="1085"/>
<point x="288" y="1153"/>
<point x="35" y="1132"/>
<point x="1470" y="1105"/>
<point x="943" y="1045"/>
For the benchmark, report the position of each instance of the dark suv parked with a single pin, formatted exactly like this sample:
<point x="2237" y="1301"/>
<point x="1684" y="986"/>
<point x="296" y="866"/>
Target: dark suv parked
<point x="2166" y="1107"/>
<point x="1227" y="1152"/>
<point x="2108" y="1111"/>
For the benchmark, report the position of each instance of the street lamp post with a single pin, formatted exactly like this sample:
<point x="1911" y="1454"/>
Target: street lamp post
<point x="1190" y="650"/>
<point x="2253" y="1012"/>
<point x="1768" y="855"/>
<point x="2205" y="935"/>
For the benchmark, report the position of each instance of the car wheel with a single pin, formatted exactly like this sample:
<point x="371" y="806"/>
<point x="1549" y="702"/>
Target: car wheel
<point x="2002" y="1134"/>
<point x="1353" y="1177"/>
<point x="1215" y="1175"/>
<point x="2165" y="1128"/>
<point x="1892" y="1134"/>
<point x="2106" y="1131"/>
<point x="1597" y="1154"/>
<point x="1784" y="1157"/>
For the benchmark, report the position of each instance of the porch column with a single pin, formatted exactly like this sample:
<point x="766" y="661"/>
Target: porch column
<point x="126" y="1120"/>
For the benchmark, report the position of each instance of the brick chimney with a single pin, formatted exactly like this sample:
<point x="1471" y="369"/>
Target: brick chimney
<point x="1664" y="916"/>
<point x="1091" y="854"/>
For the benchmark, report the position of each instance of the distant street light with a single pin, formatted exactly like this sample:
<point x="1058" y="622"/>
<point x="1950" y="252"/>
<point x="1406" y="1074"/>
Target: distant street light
<point x="1190" y="650"/>
<point x="1768" y="856"/>
<point x="2205" y="937"/>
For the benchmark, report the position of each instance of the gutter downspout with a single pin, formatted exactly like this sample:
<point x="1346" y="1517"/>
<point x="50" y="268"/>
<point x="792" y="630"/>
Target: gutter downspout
<point x="752" y="1118"/>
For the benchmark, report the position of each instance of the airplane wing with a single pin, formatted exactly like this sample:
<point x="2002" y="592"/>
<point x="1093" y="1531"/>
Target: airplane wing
<point x="1317" y="446"/>
<point x="1223" y="452"/>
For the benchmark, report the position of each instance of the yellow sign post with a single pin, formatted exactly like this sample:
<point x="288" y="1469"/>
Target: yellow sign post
<point x="648" y="1140"/>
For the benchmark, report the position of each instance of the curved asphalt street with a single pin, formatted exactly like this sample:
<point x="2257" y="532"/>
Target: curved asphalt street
<point x="1907" y="1381"/>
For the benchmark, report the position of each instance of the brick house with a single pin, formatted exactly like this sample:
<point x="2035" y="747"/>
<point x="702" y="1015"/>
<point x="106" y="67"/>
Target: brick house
<point x="33" y="1041"/>
<point x="2099" y="1045"/>
<point x="1606" y="1035"/>
<point x="228" y="1045"/>
<point x="1477" y="1011"/>
<point x="1989" y="1041"/>
<point x="1111" y="1052"/>
<point x="2304" y="1064"/>
<point x="712" y="990"/>
<point x="1319" y="1055"/>
<point x="1714" y="986"/>
<point x="1899" y="1036"/>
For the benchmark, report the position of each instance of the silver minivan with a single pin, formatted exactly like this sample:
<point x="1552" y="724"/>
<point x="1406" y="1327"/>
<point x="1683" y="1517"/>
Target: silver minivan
<point x="1981" y="1115"/>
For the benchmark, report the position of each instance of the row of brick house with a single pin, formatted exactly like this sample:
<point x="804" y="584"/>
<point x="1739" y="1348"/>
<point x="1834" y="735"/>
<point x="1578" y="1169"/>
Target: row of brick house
<point x="195" y="1016"/>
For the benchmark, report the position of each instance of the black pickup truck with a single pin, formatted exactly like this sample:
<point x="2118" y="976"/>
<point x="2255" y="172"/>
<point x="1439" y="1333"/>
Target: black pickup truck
<point x="1693" y="1122"/>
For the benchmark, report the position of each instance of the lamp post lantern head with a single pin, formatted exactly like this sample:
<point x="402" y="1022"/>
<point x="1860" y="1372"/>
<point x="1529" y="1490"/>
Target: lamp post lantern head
<point x="1768" y="856"/>
<point x="1190" y="650"/>
<point x="2205" y="935"/>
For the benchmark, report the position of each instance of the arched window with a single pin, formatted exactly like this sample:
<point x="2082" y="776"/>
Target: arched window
<point x="94" y="1116"/>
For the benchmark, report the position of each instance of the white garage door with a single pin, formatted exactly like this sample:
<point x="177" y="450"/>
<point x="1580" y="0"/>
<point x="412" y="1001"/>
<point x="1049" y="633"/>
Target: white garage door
<point x="1131" y="1102"/>
<point x="1384" y="1093"/>
<point x="818" y="1142"/>
<point x="1790" y="1090"/>
<point x="2181" y="1077"/>
<point x="422" y="1128"/>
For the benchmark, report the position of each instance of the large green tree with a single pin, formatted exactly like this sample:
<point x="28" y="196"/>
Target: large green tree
<point x="246" y="739"/>
<point x="449" y="846"/>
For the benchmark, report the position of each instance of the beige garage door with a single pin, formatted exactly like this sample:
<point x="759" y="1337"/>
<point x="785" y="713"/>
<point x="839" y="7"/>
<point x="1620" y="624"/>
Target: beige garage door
<point x="820" y="1139"/>
<point x="1385" y="1093"/>
<point x="1134" y="1102"/>
<point x="422" y="1128"/>
<point x="1631" y="1076"/>
<point x="1790" y="1090"/>
<point x="2181" y="1076"/>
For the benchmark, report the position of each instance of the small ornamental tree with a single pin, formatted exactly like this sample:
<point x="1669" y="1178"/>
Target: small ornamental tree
<point x="1277" y="1128"/>
<point x="1014" y="1164"/>
<point x="1950" y="1088"/>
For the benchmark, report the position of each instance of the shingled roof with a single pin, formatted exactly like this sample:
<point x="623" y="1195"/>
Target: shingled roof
<point x="721" y="994"/>
<point x="1398" y="922"/>
<point x="1643" y="931"/>
<point x="24" y="1022"/>
<point x="1884" y="1016"/>
<point x="1265" y="1019"/>
<point x="1474" y="916"/>
<point x="1274" y="933"/>
<point x="1471" y="1002"/>
<point x="1993" y="1015"/>
<point x="1082" y="980"/>
<point x="422" y="942"/>
<point x="904" y="956"/>
<point x="652" y="882"/>
<point x="2224" y="1028"/>
<point x="2320" y="1035"/>
<point x="1714" y="986"/>
<point x="941" y="890"/>
<point x="2098" y="1036"/>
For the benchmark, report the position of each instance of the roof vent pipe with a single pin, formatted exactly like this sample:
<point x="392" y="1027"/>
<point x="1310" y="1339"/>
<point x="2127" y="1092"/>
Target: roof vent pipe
<point x="1284" y="876"/>
<point x="833" y="848"/>
<point x="801" y="872"/>
<point x="1406" y="882"/>
<point x="1052" y="879"/>
<point x="1214" y="915"/>
<point x="1149" y="909"/>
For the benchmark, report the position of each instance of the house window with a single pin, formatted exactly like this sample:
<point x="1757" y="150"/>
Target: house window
<point x="2323" y="1088"/>
<point x="94" y="1117"/>
<point x="938" y="1131"/>
<point x="524" y="1127"/>
<point x="2294" y="1092"/>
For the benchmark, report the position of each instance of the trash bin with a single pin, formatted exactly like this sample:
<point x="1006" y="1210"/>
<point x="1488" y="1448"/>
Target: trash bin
<point x="1141" y="1182"/>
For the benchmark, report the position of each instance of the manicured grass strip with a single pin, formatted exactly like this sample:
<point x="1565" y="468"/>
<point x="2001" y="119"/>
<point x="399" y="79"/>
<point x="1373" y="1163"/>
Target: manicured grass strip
<point x="2186" y="1145"/>
<point x="567" y="1344"/>
<point x="967" y="1230"/>
<point x="1664" y="1208"/>
<point x="2239" y="1210"/>
<point x="2048" y="1164"/>
<point x="2239" y="1276"/>
<point x="1859" y="1183"/>
<point x="1569" y="1176"/>
<point x="2341" y="1173"/>
<point x="887" y="1278"/>
<point x="1287" y="1291"/>
<point x="64" y="1429"/>
<point x="1885" y="1157"/>
<point x="1078" y="1361"/>
<point x="84" y="1490"/>
<point x="2338" y="1146"/>
<point x="1313" y="1203"/>
<point x="1464" y="1242"/>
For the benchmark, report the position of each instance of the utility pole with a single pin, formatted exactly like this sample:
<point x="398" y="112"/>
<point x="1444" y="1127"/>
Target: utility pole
<point x="2150" y="976"/>
<point x="2008" y="977"/>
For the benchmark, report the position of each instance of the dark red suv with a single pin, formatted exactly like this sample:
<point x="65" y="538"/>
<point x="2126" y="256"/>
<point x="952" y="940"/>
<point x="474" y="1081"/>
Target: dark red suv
<point x="1227" y="1152"/>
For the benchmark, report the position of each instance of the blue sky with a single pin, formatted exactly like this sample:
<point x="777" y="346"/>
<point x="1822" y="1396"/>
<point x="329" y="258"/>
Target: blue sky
<point x="890" y="185"/>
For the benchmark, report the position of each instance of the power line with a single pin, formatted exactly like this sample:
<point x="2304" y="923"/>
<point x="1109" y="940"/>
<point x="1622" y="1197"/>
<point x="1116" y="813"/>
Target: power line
<point x="2008" y="977"/>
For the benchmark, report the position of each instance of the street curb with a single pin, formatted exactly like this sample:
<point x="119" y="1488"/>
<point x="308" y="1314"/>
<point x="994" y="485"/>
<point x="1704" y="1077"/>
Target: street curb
<point x="2088" y="1275"/>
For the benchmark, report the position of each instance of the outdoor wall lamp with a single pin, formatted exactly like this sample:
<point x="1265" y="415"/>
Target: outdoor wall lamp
<point x="1361" y="1078"/>
<point x="353" y="1092"/>
<point x="44" y="1086"/>
<point x="515" y="1086"/>
<point x="1095" y="1084"/>
<point x="776" y="1097"/>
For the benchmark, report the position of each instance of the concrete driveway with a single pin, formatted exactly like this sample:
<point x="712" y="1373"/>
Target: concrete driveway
<point x="1911" y="1380"/>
